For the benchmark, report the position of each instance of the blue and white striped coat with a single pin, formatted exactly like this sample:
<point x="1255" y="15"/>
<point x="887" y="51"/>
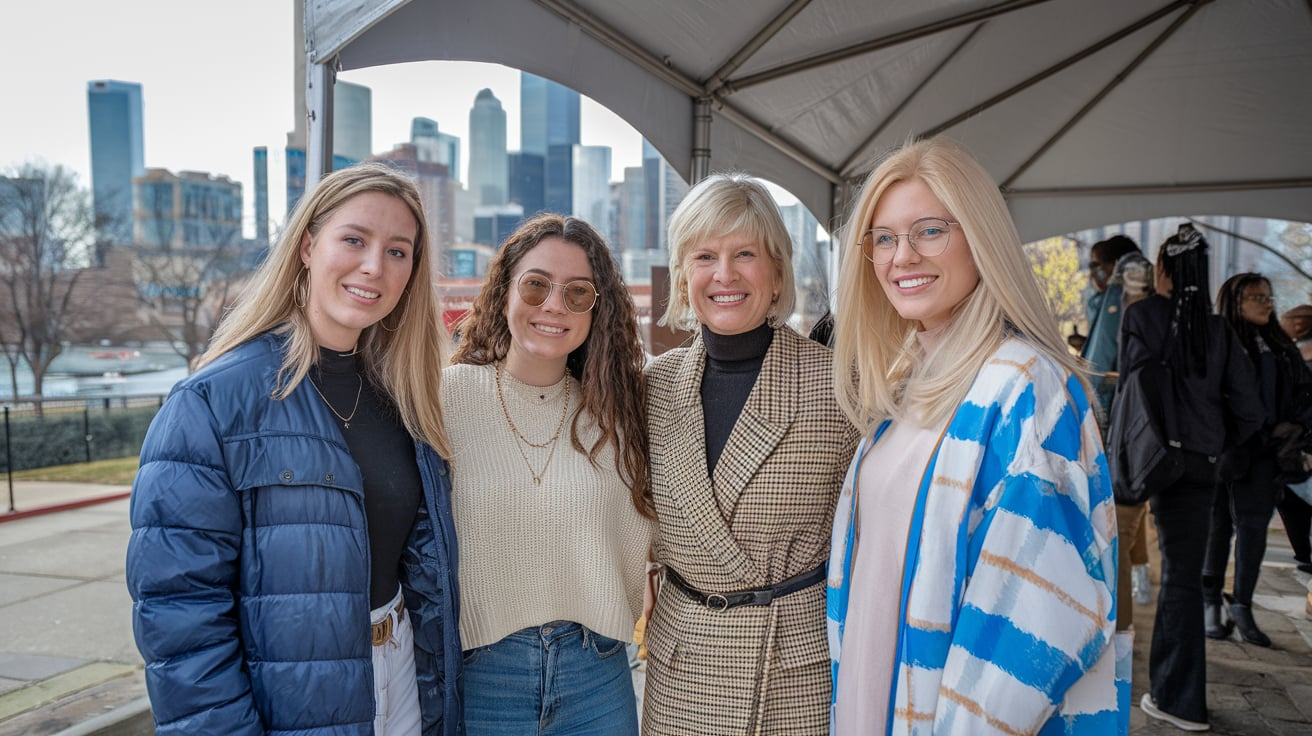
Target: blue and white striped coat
<point x="1008" y="594"/>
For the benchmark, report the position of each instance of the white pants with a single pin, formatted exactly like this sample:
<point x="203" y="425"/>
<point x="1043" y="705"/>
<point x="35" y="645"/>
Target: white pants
<point x="396" y="694"/>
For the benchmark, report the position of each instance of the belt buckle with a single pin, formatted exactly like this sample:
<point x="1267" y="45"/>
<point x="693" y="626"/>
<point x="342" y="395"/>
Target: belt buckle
<point x="717" y="602"/>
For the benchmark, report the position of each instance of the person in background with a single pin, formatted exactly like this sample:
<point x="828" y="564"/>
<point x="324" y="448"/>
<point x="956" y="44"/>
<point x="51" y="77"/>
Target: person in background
<point x="974" y="546"/>
<point x="1295" y="512"/>
<point x="1120" y="276"/>
<point x="1243" y="502"/>
<point x="551" y="487"/>
<point x="292" y="560"/>
<point x="747" y="449"/>
<point x="1211" y="407"/>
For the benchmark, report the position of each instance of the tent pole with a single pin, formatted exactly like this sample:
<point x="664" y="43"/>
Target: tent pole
<point x="319" y="122"/>
<point x="701" y="139"/>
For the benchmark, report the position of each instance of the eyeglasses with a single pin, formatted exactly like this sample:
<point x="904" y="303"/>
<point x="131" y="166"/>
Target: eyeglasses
<point x="1259" y="298"/>
<point x="929" y="236"/>
<point x="579" y="295"/>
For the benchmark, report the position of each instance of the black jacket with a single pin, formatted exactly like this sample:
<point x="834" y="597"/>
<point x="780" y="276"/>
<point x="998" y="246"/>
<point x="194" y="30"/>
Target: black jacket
<point x="1207" y="411"/>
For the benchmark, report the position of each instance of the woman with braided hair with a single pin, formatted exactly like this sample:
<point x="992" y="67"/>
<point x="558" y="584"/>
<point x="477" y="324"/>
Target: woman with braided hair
<point x="1209" y="408"/>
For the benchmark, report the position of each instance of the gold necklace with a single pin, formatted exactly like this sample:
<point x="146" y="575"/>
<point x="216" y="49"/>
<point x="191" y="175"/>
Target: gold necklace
<point x="563" y="413"/>
<point x="346" y="420"/>
<point x="537" y="474"/>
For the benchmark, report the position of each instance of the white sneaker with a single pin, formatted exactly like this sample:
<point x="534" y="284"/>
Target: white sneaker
<point x="1140" y="585"/>
<point x="1149" y="707"/>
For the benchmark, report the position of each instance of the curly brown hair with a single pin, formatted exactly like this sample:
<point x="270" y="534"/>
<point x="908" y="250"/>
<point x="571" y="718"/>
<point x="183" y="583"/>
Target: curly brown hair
<point x="609" y="363"/>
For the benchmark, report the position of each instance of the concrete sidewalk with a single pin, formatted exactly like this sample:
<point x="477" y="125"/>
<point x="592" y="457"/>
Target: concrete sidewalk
<point x="68" y="664"/>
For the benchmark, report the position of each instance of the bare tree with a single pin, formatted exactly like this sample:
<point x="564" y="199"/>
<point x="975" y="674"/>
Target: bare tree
<point x="47" y="237"/>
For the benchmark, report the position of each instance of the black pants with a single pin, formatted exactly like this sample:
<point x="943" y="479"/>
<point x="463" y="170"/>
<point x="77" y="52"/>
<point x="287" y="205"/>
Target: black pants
<point x="1242" y="509"/>
<point x="1177" y="661"/>
<point x="1297" y="517"/>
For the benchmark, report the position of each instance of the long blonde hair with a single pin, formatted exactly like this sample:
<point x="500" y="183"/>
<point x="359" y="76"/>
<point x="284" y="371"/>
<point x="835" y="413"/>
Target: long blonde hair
<point x="878" y="372"/>
<point x="403" y="359"/>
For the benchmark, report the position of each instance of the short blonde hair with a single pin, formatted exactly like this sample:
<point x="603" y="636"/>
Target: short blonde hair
<point x="403" y="358"/>
<point x="719" y="205"/>
<point x="877" y="373"/>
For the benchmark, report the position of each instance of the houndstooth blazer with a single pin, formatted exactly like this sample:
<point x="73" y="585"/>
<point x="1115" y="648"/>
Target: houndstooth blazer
<point x="764" y="517"/>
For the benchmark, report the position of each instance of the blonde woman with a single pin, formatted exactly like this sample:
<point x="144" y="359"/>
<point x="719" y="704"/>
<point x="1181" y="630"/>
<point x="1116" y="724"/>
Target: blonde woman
<point x="293" y="560"/>
<point x="748" y="449"/>
<point x="973" y="565"/>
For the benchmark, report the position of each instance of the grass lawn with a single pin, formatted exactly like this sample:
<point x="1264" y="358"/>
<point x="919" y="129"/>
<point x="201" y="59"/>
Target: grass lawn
<point x="115" y="472"/>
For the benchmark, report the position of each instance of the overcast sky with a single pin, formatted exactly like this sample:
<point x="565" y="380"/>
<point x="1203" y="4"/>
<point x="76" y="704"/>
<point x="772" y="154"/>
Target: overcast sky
<point x="216" y="82"/>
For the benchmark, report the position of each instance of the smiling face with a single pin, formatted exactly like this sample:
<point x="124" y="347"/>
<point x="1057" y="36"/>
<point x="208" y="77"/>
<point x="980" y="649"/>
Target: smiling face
<point x="542" y="337"/>
<point x="924" y="289"/>
<point x="359" y="262"/>
<point x="1255" y="305"/>
<point x="732" y="282"/>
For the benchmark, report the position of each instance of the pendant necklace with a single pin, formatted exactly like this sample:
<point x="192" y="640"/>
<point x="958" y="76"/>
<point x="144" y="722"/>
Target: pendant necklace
<point x="518" y="436"/>
<point x="346" y="420"/>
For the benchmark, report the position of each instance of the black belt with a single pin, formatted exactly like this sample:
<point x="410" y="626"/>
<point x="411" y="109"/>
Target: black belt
<point x="758" y="597"/>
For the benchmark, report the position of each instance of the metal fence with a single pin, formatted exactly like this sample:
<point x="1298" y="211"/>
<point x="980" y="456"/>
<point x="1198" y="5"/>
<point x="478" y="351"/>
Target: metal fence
<point x="41" y="432"/>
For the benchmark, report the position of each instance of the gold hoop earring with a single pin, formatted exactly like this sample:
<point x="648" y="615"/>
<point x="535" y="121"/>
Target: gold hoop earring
<point x="301" y="290"/>
<point x="383" y="325"/>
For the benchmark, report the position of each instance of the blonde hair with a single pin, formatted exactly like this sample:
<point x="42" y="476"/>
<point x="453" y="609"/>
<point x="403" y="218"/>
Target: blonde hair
<point x="724" y="204"/>
<point x="878" y="371"/>
<point x="403" y="359"/>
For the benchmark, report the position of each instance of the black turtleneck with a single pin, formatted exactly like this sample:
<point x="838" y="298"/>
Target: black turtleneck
<point x="732" y="365"/>
<point x="385" y="452"/>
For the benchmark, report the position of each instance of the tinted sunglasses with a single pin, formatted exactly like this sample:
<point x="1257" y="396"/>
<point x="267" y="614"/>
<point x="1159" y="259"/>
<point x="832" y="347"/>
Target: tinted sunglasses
<point x="579" y="295"/>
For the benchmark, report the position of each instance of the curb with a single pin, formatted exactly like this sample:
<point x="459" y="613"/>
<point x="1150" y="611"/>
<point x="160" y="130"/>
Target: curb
<point x="16" y="515"/>
<point x="129" y="719"/>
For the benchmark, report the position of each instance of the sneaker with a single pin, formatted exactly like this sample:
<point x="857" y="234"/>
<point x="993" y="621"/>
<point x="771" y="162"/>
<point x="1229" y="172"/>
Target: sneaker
<point x="1149" y="707"/>
<point x="1140" y="585"/>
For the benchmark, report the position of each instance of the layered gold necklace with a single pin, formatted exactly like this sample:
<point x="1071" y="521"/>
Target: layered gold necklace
<point x="519" y="436"/>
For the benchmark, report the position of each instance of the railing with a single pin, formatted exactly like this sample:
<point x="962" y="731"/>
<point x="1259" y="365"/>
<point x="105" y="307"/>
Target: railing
<point x="40" y="432"/>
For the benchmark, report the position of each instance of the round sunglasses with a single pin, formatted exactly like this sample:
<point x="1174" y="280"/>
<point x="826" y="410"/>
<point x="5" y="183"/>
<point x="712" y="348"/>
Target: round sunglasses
<point x="579" y="295"/>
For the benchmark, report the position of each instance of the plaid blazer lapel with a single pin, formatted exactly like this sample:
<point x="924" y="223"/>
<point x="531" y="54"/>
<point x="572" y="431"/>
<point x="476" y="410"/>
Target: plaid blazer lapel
<point x="761" y="426"/>
<point x="689" y="485"/>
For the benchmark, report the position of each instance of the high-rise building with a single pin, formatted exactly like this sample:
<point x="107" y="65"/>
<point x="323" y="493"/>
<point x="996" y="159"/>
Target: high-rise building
<point x="810" y="263"/>
<point x="664" y="190"/>
<point x="188" y="210"/>
<point x="436" y="146"/>
<point x="261" y="159"/>
<point x="632" y="234"/>
<point x="549" y="127"/>
<point x="488" y="174"/>
<point x="591" y="178"/>
<point x="527" y="181"/>
<point x="432" y="181"/>
<point x="353" y="129"/>
<point x="494" y="223"/>
<point x="548" y="114"/>
<point x="117" y="154"/>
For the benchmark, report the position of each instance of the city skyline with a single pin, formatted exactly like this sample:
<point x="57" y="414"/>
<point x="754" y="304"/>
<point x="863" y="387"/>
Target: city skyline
<point x="210" y="99"/>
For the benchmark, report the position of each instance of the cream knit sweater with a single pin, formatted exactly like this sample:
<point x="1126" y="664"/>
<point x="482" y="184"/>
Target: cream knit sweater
<point x="571" y="549"/>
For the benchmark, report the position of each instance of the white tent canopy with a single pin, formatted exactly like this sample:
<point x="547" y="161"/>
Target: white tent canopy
<point x="1087" y="113"/>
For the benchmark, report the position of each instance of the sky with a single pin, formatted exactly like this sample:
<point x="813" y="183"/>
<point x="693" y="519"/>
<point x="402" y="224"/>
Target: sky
<point x="217" y="82"/>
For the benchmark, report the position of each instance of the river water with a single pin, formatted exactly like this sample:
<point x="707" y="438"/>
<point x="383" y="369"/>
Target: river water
<point x="94" y="372"/>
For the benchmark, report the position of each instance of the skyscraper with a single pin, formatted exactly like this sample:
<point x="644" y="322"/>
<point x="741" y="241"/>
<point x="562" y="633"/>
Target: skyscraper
<point x="664" y="190"/>
<point x="592" y="188"/>
<point x="549" y="127"/>
<point x="117" y="153"/>
<point x="527" y="185"/>
<point x="435" y="146"/>
<point x="352" y="122"/>
<point x="261" y="159"/>
<point x="488" y="174"/>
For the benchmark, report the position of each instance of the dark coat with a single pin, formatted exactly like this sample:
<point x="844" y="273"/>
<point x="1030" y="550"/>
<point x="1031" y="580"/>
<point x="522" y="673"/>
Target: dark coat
<point x="1207" y="411"/>
<point x="249" y="568"/>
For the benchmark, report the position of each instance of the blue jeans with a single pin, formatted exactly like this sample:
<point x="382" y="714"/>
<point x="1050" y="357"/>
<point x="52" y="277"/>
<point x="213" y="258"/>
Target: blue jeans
<point x="558" y="678"/>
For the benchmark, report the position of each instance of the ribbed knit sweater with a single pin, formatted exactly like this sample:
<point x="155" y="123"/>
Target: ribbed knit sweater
<point x="573" y="548"/>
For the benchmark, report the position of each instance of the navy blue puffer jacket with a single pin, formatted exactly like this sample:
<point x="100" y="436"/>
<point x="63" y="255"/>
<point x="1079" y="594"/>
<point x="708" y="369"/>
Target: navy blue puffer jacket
<point x="249" y="564"/>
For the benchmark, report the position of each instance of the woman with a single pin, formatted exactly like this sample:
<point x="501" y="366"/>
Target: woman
<point x="747" y="448"/>
<point x="1295" y="512"/>
<point x="292" y="559"/>
<point x="1211" y="406"/>
<point x="972" y="577"/>
<point x="551" y="490"/>
<point x="1243" y="503"/>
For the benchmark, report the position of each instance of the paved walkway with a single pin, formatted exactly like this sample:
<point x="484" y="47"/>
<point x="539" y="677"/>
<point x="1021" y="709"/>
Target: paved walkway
<point x="68" y="663"/>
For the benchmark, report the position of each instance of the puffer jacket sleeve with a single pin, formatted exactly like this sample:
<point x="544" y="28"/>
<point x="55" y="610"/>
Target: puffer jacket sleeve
<point x="182" y="573"/>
